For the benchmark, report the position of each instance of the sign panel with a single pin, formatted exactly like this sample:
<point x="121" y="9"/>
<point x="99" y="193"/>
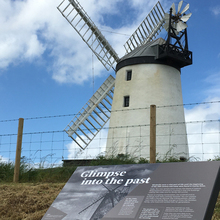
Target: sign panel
<point x="140" y="191"/>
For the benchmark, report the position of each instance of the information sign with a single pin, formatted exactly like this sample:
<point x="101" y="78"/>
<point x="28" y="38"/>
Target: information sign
<point x="180" y="191"/>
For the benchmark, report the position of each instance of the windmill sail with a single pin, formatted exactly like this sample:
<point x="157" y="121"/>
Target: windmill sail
<point x="148" y="29"/>
<point x="84" y="26"/>
<point x="93" y="116"/>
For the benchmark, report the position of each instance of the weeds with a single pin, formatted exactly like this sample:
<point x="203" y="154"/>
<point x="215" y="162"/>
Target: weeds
<point x="6" y="172"/>
<point x="29" y="173"/>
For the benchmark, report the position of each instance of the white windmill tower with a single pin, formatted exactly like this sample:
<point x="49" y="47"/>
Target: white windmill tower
<point x="148" y="74"/>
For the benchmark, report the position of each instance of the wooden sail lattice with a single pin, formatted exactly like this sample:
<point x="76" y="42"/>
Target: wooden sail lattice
<point x="93" y="116"/>
<point x="87" y="30"/>
<point x="148" y="29"/>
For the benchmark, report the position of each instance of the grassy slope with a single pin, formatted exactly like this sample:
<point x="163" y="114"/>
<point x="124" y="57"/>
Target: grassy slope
<point x="27" y="201"/>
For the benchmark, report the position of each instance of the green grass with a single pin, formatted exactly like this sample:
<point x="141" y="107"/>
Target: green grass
<point x="6" y="172"/>
<point x="62" y="174"/>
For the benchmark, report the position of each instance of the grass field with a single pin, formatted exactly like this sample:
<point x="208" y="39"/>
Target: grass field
<point x="38" y="188"/>
<point x="27" y="201"/>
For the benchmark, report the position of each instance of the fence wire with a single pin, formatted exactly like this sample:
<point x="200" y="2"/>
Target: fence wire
<point x="46" y="145"/>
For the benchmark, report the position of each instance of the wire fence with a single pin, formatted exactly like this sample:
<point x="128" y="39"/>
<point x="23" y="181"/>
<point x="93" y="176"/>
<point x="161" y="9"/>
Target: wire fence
<point x="45" y="144"/>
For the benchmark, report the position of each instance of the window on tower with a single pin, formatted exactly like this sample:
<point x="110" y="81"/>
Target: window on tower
<point x="128" y="75"/>
<point x="126" y="101"/>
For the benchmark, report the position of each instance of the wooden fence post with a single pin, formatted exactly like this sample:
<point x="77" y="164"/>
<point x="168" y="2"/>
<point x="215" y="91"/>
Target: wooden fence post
<point x="153" y="134"/>
<point x="18" y="150"/>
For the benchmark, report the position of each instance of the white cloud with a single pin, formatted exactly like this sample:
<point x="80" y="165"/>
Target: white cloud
<point x="34" y="48"/>
<point x="213" y="89"/>
<point x="19" y="25"/>
<point x="216" y="10"/>
<point x="95" y="148"/>
<point x="4" y="159"/>
<point x="203" y="122"/>
<point x="32" y="30"/>
<point x="203" y="135"/>
<point x="203" y="112"/>
<point x="96" y="8"/>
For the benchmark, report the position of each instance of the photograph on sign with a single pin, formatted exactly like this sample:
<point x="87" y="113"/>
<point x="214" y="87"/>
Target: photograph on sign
<point x="140" y="191"/>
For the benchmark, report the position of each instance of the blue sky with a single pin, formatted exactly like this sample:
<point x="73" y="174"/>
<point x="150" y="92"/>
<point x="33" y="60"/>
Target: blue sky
<point x="46" y="69"/>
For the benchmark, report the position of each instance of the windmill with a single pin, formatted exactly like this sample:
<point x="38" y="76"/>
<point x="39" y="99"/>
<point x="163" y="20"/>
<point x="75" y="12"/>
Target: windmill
<point x="148" y="74"/>
<point x="107" y="201"/>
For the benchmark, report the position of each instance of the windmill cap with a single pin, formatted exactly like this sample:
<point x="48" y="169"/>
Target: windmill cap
<point x="145" y="54"/>
<point x="144" y="50"/>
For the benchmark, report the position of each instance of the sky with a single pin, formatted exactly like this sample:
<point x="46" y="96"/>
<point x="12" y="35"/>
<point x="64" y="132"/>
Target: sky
<point x="46" y="69"/>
